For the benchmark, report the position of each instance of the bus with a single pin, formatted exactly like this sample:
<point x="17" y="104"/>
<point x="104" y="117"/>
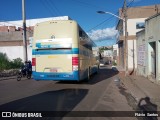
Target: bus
<point x="61" y="50"/>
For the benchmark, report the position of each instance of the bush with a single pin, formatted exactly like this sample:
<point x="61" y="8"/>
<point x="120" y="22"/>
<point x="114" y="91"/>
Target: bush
<point x="114" y="63"/>
<point x="16" y="63"/>
<point x="6" y="64"/>
<point x="3" y="61"/>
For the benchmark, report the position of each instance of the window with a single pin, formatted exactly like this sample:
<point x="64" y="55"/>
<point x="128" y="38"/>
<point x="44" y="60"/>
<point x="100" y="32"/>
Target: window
<point x="140" y="25"/>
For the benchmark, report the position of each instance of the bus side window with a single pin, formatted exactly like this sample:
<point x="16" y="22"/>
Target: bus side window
<point x="80" y="33"/>
<point x="100" y="56"/>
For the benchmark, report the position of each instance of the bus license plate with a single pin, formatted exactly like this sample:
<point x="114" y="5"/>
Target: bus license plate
<point x="53" y="70"/>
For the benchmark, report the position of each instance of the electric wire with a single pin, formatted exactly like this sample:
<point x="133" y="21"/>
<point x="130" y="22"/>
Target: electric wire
<point x="55" y="7"/>
<point x="44" y="3"/>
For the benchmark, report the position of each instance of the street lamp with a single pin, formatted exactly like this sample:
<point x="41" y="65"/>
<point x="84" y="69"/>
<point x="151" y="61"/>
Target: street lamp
<point x="104" y="12"/>
<point x="125" y="40"/>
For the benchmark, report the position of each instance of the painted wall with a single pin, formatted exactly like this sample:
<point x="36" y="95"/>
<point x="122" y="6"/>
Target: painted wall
<point x="153" y="36"/>
<point x="131" y="25"/>
<point x="132" y="55"/>
<point x="14" y="52"/>
<point x="132" y="49"/>
<point x="108" y="53"/>
<point x="141" y="54"/>
<point x="115" y="47"/>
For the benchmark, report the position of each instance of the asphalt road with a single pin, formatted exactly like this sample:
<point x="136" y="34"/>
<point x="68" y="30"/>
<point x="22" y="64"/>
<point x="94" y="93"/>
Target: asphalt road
<point x="99" y="94"/>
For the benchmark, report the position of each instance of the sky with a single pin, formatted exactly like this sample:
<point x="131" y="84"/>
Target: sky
<point x="100" y="27"/>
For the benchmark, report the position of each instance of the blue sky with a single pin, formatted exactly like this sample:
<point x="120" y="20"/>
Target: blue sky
<point x="83" y="11"/>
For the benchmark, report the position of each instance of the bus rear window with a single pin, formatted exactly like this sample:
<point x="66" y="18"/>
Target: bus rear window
<point x="53" y="49"/>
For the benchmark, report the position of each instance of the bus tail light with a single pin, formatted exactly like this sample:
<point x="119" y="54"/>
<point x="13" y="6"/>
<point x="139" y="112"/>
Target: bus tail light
<point x="33" y="61"/>
<point x="33" y="64"/>
<point x="75" y="62"/>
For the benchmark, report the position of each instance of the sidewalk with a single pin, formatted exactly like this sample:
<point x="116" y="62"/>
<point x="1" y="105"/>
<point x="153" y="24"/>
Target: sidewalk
<point x="140" y="87"/>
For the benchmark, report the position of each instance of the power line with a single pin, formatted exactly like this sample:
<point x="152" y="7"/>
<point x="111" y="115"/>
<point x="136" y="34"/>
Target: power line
<point x="46" y="7"/>
<point x="86" y="4"/>
<point x="50" y="5"/>
<point x="130" y="3"/>
<point x="115" y="20"/>
<point x="100" y="23"/>
<point x="54" y="6"/>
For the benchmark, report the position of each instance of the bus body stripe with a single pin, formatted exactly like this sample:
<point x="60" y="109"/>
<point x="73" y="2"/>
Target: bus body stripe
<point x="56" y="76"/>
<point x="48" y="52"/>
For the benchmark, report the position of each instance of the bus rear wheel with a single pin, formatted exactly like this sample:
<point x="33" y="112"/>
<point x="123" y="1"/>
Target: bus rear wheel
<point x="97" y="69"/>
<point x="88" y="74"/>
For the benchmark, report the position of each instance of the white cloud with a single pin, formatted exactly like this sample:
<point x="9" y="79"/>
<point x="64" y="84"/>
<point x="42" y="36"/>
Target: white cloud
<point x="103" y="34"/>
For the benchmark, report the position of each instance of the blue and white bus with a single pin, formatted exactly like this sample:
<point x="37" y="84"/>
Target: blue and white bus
<point x="62" y="51"/>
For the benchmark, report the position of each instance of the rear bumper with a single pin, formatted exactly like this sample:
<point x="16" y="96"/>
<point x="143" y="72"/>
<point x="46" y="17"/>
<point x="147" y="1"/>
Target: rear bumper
<point x="56" y="76"/>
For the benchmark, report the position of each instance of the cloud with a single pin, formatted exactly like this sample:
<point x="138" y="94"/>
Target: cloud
<point x="103" y="34"/>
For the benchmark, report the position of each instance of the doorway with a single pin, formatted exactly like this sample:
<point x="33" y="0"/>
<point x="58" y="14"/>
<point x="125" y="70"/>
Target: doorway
<point x="152" y="62"/>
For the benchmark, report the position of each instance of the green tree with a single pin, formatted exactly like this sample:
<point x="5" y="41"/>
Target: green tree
<point x="17" y="63"/>
<point x="4" y="62"/>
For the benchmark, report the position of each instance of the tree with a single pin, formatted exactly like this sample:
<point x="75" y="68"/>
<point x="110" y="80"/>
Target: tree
<point x="4" y="62"/>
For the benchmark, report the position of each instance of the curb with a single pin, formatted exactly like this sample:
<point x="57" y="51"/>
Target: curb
<point x="7" y="78"/>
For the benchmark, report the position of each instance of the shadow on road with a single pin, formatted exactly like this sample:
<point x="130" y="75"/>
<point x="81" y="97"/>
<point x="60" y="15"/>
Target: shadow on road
<point x="103" y="74"/>
<point x="147" y="107"/>
<point x="60" y="100"/>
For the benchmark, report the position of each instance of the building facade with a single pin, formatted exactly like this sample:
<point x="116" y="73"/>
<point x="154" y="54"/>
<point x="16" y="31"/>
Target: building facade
<point x="115" y="53"/>
<point x="135" y="22"/>
<point x="141" y="50"/>
<point x="151" y="43"/>
<point x="11" y="43"/>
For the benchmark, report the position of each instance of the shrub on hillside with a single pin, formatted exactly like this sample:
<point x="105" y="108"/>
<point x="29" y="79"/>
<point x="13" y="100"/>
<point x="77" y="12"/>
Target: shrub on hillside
<point x="6" y="64"/>
<point x="16" y="63"/>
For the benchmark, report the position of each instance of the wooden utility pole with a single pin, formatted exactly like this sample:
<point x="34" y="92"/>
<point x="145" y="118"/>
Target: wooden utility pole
<point x="24" y="32"/>
<point x="156" y="8"/>
<point x="125" y="41"/>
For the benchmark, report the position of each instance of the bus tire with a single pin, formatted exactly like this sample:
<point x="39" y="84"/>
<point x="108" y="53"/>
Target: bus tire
<point x="88" y="74"/>
<point x="97" y="69"/>
<point x="19" y="76"/>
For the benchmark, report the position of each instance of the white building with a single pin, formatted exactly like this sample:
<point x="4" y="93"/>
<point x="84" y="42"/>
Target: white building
<point x="115" y="53"/>
<point x="108" y="53"/>
<point x="135" y="22"/>
<point x="148" y="44"/>
<point x="95" y="51"/>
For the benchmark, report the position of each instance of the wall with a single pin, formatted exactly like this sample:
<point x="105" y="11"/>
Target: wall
<point x="134" y="15"/>
<point x="131" y="25"/>
<point x="108" y="53"/>
<point x="14" y="52"/>
<point x="153" y="36"/>
<point x="132" y="49"/>
<point x="115" y="47"/>
<point x="14" y="35"/>
<point x="141" y="51"/>
<point x="132" y="55"/>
